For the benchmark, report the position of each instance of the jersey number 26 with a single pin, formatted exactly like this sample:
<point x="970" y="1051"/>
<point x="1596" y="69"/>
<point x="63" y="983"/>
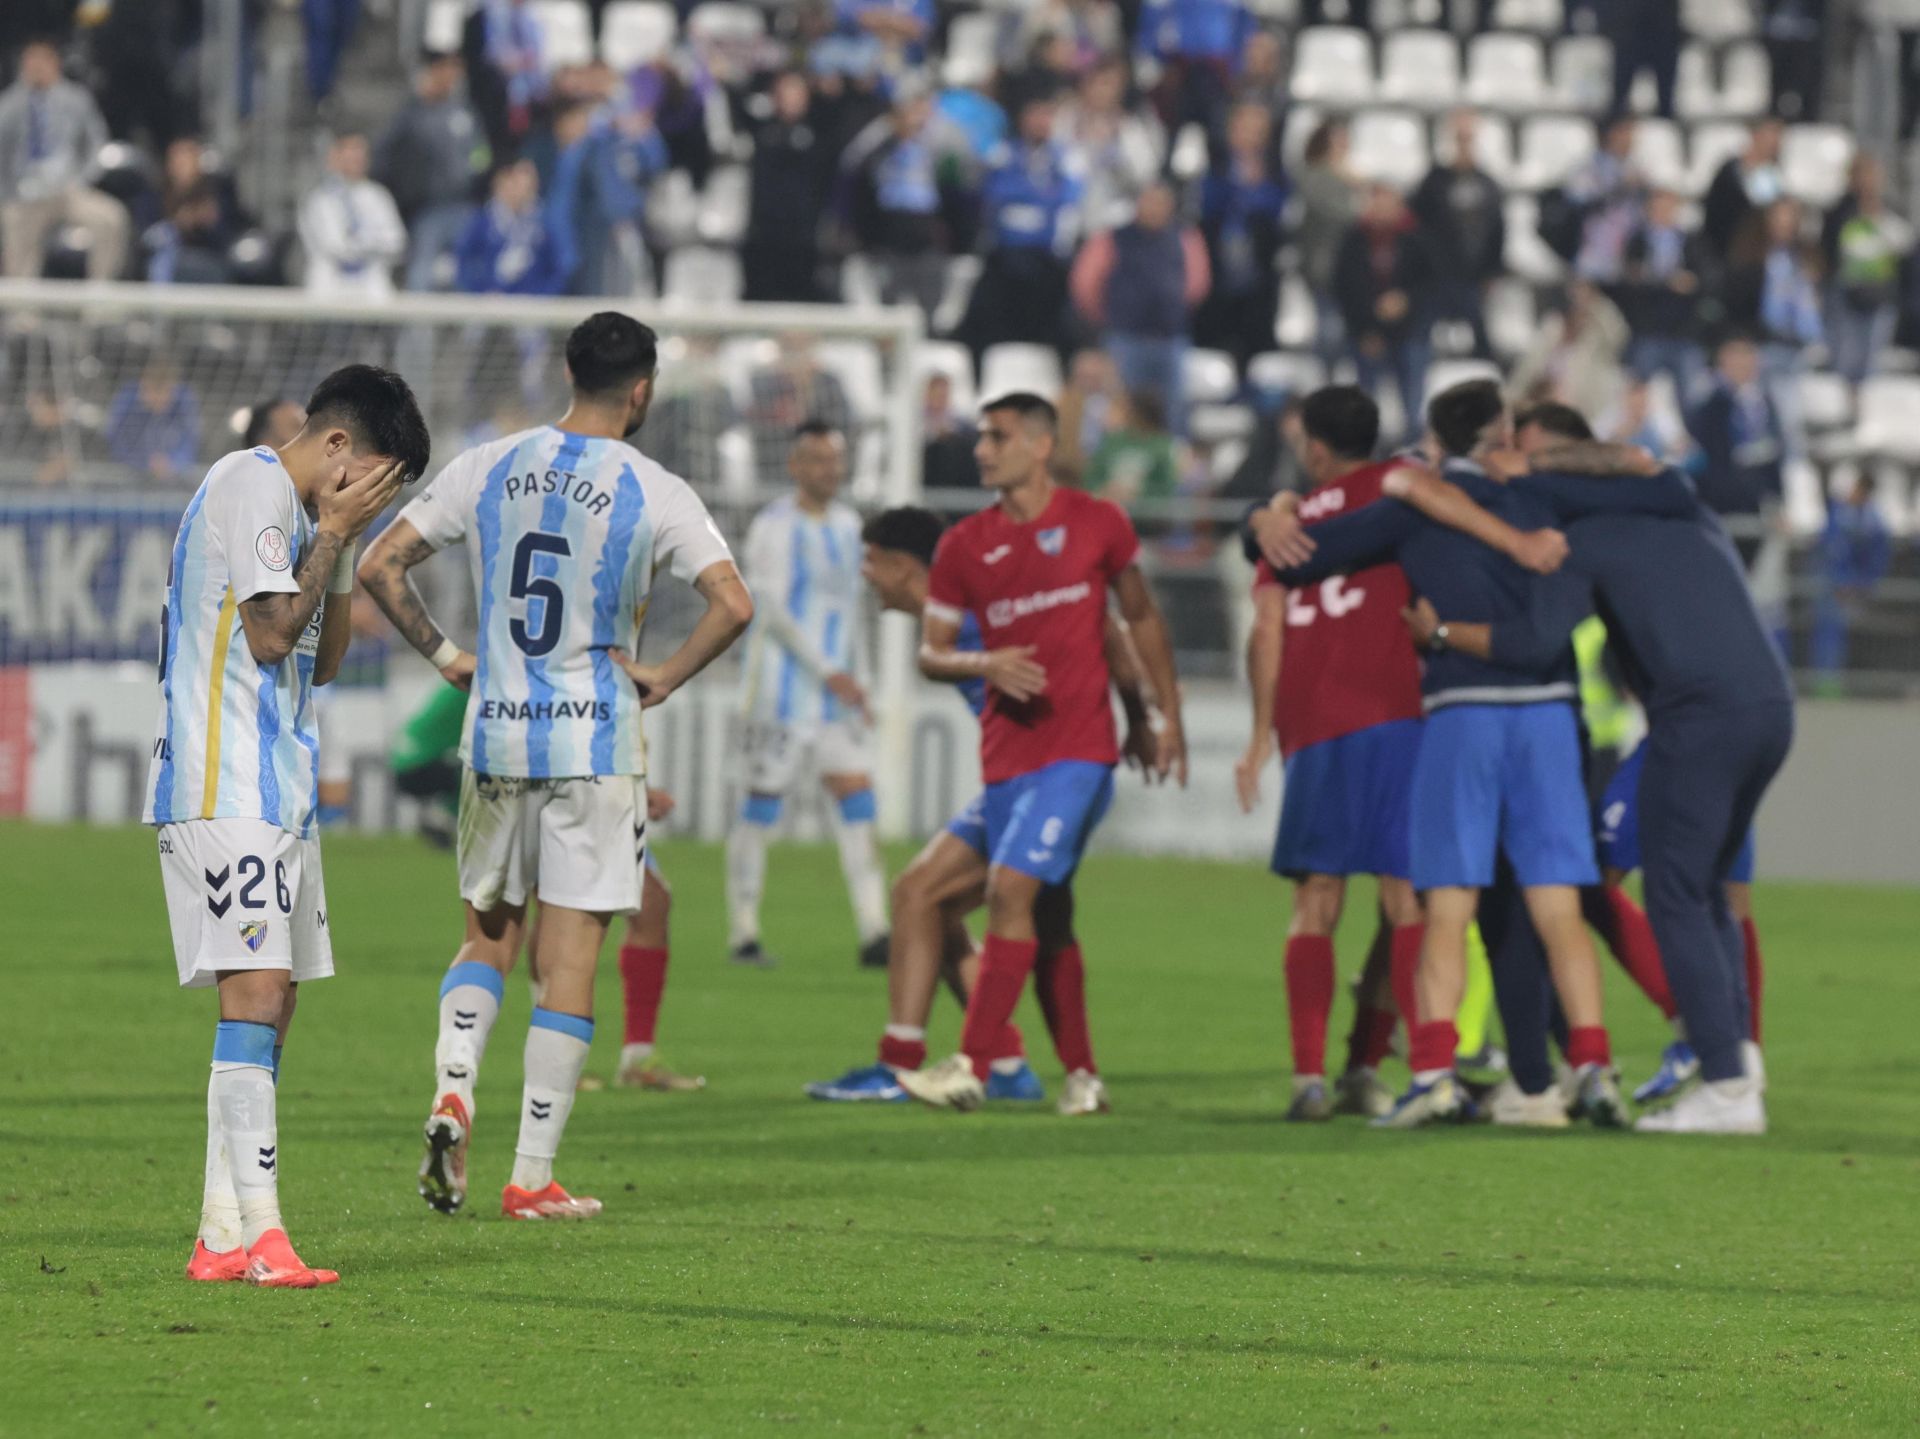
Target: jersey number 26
<point x="1335" y="600"/>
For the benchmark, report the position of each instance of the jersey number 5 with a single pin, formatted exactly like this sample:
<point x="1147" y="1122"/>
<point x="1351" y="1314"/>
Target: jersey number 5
<point x="1335" y="600"/>
<point x="529" y="587"/>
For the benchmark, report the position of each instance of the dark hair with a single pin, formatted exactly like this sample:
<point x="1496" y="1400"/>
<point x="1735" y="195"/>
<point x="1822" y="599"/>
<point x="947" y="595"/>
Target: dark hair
<point x="1344" y="418"/>
<point x="378" y="410"/>
<point x="908" y="530"/>
<point x="255" y="432"/>
<point x="1556" y="419"/>
<point x="1320" y="142"/>
<point x="610" y="351"/>
<point x="813" y="428"/>
<point x="1459" y="413"/>
<point x="1148" y="407"/>
<point x="1028" y="406"/>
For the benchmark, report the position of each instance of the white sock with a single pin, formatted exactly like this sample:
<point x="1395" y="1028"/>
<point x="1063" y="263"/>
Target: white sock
<point x="851" y="821"/>
<point x="1428" y="1076"/>
<point x="469" y="1004"/>
<point x="219" y="1209"/>
<point x="632" y="1056"/>
<point x="242" y="1092"/>
<point x="746" y="878"/>
<point x="1012" y="1064"/>
<point x="557" y="1046"/>
<point x="909" y="1033"/>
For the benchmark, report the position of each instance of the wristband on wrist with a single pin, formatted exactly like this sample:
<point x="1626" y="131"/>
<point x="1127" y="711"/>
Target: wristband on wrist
<point x="445" y="655"/>
<point x="1439" y="641"/>
<point x="342" y="581"/>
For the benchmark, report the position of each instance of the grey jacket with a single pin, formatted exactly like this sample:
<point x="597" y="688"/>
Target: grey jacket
<point x="72" y="133"/>
<point x="1328" y="205"/>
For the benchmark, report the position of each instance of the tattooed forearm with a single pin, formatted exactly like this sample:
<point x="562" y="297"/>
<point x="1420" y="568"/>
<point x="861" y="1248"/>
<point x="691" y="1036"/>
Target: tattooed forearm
<point x="385" y="574"/>
<point x="1594" y="457"/>
<point x="275" y="622"/>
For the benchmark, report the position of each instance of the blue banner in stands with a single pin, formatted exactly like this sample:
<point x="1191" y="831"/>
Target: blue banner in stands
<point x="83" y="581"/>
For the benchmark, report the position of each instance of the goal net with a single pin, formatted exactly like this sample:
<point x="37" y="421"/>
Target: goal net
<point x="119" y="397"/>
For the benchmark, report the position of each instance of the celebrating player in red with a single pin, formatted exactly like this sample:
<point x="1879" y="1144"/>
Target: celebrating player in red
<point x="1035" y="568"/>
<point x="1347" y="714"/>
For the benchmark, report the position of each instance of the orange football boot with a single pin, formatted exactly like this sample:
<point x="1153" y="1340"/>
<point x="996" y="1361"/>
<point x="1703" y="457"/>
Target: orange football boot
<point x="272" y="1264"/>
<point x="553" y="1202"/>
<point x="216" y="1267"/>
<point x="443" y="1172"/>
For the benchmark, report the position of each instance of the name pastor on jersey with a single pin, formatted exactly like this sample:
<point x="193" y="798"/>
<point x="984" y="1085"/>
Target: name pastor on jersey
<point x="559" y="482"/>
<point x="1004" y="612"/>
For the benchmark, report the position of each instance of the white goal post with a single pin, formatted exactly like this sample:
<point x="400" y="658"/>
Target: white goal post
<point x="118" y="396"/>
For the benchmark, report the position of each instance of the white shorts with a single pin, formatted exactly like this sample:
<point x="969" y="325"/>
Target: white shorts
<point x="579" y="842"/>
<point x="244" y="894"/>
<point x="777" y="754"/>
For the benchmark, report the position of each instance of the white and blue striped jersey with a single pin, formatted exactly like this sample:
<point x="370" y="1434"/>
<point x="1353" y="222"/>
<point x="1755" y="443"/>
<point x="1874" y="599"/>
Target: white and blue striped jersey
<point x="563" y="535"/>
<point x="810" y="619"/>
<point x="236" y="738"/>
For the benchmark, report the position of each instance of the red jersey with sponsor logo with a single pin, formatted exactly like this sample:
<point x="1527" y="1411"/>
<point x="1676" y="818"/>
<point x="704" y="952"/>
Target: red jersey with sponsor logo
<point x="1347" y="662"/>
<point x="1042" y="583"/>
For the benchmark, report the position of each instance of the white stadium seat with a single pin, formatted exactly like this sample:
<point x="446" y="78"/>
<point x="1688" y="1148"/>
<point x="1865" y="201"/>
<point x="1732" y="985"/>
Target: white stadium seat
<point x="1826" y="402"/>
<point x="970" y="49"/>
<point x="1511" y="317"/>
<point x="1552" y="147"/>
<point x="1295" y="325"/>
<point x="1333" y="64"/>
<point x="696" y="275"/>
<point x="1008" y="367"/>
<point x="1814" y="161"/>
<point x="1543" y="17"/>
<point x="1492" y="147"/>
<point x="1583" y="73"/>
<point x="1211" y="377"/>
<point x="1660" y="153"/>
<point x="1529" y="256"/>
<point x="944" y="357"/>
<point x="1695" y="97"/>
<point x="673" y="209"/>
<point x="1445" y="374"/>
<point x="1219" y="424"/>
<point x="1281" y="370"/>
<point x="1805" y="507"/>
<point x="637" y="32"/>
<point x="856" y="364"/>
<point x="1717" y="19"/>
<point x="1506" y="72"/>
<point x="1420" y="68"/>
<point x="1390" y="146"/>
<point x="1746" y="82"/>
<point x="724" y="22"/>
<point x="1889" y="422"/>
<point x="566" y="32"/>
<point x="722" y="217"/>
<point x="1295" y="131"/>
<point x="1711" y="147"/>
<point x="446" y="23"/>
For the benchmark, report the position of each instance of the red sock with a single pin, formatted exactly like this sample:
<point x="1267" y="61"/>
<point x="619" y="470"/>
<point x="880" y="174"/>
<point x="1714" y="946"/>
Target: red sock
<point x="643" y="978"/>
<point x="1010" y="1045"/>
<point x="1062" y="988"/>
<point x="1309" y="967"/>
<point x="1634" y="946"/>
<point x="1588" y="1046"/>
<point x="1405" y="964"/>
<point x="1756" y="975"/>
<point x="1004" y="967"/>
<point x="902" y="1053"/>
<point x="1378" y="1041"/>
<point x="1431" y="1046"/>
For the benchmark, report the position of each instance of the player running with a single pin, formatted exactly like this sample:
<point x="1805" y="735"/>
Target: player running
<point x="947" y="880"/>
<point x="805" y="705"/>
<point x="1035" y="568"/>
<point x="565" y="525"/>
<point x="246" y="635"/>
<point x="1336" y="681"/>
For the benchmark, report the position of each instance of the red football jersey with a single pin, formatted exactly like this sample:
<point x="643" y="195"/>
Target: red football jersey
<point x="1043" y="583"/>
<point x="1347" y="662"/>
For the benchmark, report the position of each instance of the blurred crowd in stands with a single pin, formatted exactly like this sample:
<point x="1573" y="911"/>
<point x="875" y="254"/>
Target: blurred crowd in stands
<point x="1178" y="213"/>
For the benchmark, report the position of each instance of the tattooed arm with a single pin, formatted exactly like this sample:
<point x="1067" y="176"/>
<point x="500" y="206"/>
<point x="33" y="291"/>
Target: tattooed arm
<point x="274" y="621"/>
<point x="385" y="573"/>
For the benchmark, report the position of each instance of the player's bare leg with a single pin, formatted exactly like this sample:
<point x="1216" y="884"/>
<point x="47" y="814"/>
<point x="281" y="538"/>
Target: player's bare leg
<point x="1309" y="968"/>
<point x="1438" y="986"/>
<point x="1555" y="911"/>
<point x="851" y="818"/>
<point x="643" y="981"/>
<point x="469" y="1004"/>
<point x="256" y="1011"/>
<point x="958" y="1082"/>
<point x="945" y="880"/>
<point x="558" y="1039"/>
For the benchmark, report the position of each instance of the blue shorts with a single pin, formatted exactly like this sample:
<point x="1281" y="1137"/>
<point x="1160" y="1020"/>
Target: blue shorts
<point x="1039" y="823"/>
<point x="1501" y="778"/>
<point x="1344" y="807"/>
<point x="1619" y="823"/>
<point x="970" y="826"/>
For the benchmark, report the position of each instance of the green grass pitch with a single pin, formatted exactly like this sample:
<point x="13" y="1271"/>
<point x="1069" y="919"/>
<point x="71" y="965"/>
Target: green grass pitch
<point x="771" y="1266"/>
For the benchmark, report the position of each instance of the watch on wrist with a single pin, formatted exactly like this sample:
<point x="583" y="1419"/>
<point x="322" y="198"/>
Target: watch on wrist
<point x="1437" y="641"/>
